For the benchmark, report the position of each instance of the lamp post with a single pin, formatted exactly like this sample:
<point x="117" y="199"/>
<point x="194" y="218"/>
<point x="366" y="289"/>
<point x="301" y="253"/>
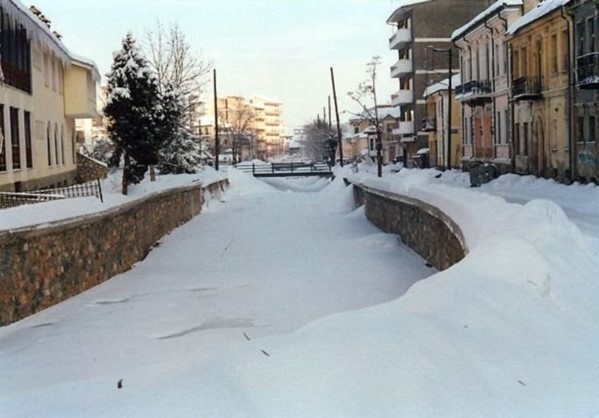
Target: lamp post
<point x="449" y="53"/>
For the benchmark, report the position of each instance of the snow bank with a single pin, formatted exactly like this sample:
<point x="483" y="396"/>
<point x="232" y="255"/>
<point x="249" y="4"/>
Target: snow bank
<point x="509" y="331"/>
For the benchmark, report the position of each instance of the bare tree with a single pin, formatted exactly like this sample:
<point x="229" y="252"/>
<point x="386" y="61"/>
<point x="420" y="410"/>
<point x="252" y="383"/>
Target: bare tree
<point x="174" y="61"/>
<point x="318" y="140"/>
<point x="365" y="92"/>
<point x="237" y="128"/>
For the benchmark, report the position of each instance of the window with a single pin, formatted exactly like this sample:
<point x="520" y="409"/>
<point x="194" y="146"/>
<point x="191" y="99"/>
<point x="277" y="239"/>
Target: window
<point x="46" y="70"/>
<point x="580" y="129"/>
<point x="524" y="65"/>
<point x="62" y="145"/>
<point x="554" y="53"/>
<point x="506" y="126"/>
<point x="591" y="129"/>
<point x="590" y="34"/>
<point x="16" y="53"/>
<point x="54" y="76"/>
<point x="56" y="160"/>
<point x="564" y="53"/>
<point x="580" y="38"/>
<point x="49" y="143"/>
<point x="14" y="138"/>
<point x="517" y="142"/>
<point x="498" y="133"/>
<point x="516" y="64"/>
<point x="525" y="138"/>
<point x="27" y="131"/>
<point x="3" y="141"/>
<point x="553" y="135"/>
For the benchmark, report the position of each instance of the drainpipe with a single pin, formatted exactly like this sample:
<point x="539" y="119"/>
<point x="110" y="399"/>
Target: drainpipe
<point x="493" y="119"/>
<point x="512" y="150"/>
<point x="505" y="25"/>
<point x="571" y="139"/>
<point x="465" y="127"/>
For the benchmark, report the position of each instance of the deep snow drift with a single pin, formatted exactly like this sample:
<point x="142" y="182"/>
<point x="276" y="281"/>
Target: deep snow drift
<point x="512" y="330"/>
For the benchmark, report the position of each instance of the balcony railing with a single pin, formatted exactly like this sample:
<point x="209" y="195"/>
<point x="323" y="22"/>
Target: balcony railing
<point x="588" y="71"/>
<point x="401" y="67"/>
<point x="400" y="38"/>
<point x="474" y="91"/>
<point x="527" y="87"/>
<point x="402" y="97"/>
<point x="405" y="128"/>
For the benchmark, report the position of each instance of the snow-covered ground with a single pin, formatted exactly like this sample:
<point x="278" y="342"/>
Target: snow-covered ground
<point x="284" y="301"/>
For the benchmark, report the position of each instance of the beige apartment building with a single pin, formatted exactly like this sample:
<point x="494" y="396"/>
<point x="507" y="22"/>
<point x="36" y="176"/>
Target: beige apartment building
<point x="44" y="89"/>
<point x="250" y="128"/>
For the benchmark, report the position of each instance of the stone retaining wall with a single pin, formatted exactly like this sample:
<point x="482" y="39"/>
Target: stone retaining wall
<point x="41" y="266"/>
<point x="89" y="169"/>
<point x="422" y="227"/>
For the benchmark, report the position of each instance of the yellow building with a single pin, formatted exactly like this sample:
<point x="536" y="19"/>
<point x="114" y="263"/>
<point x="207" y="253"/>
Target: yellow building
<point x="44" y="89"/>
<point x="436" y="124"/>
<point x="539" y="90"/>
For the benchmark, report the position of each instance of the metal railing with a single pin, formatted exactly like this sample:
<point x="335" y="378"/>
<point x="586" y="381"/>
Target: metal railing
<point x="13" y="199"/>
<point x="527" y="86"/>
<point x="588" y="70"/>
<point x="282" y="169"/>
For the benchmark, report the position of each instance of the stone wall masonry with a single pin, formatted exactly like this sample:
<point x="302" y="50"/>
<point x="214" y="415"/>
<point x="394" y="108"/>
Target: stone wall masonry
<point x="89" y="169"/>
<point x="422" y="227"/>
<point x="44" y="265"/>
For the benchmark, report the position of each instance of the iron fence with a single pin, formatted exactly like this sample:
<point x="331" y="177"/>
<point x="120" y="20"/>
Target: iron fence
<point x="89" y="189"/>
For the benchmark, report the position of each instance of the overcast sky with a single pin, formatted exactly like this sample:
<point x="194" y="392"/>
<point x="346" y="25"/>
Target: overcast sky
<point x="274" y="48"/>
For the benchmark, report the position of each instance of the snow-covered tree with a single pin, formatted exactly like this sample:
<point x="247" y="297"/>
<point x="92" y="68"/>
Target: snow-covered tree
<point x="132" y="110"/>
<point x="182" y="155"/>
<point x="180" y="152"/>
<point x="102" y="150"/>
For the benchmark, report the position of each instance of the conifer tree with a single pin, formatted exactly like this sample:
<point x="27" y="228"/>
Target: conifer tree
<point x="133" y="111"/>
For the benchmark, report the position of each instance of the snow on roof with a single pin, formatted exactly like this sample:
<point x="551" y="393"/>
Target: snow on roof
<point x="401" y="5"/>
<point x="485" y="14"/>
<point x="44" y="35"/>
<point x="442" y="85"/>
<point x="383" y="112"/>
<point x="538" y="12"/>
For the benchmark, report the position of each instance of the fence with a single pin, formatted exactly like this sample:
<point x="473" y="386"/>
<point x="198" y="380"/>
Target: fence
<point x="92" y="188"/>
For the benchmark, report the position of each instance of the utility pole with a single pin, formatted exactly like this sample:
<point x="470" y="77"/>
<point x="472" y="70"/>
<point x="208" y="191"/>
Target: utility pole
<point x="449" y="53"/>
<point x="216" y="138"/>
<point x="337" y="116"/>
<point x="379" y="144"/>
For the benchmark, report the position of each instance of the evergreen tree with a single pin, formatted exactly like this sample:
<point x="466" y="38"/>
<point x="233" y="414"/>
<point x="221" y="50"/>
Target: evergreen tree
<point x="133" y="111"/>
<point x="180" y="152"/>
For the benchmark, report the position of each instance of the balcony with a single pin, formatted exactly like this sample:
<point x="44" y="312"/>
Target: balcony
<point x="402" y="97"/>
<point x="400" y="39"/>
<point x="405" y="128"/>
<point x="588" y="71"/>
<point x="401" y="67"/>
<point x="474" y="92"/>
<point x="527" y="88"/>
<point x="429" y="125"/>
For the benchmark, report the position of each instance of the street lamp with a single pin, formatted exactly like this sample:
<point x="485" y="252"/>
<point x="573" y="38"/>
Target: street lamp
<point x="449" y="53"/>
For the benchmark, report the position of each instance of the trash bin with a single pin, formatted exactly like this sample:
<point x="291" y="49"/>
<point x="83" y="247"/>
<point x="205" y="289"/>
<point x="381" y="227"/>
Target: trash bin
<point x="481" y="173"/>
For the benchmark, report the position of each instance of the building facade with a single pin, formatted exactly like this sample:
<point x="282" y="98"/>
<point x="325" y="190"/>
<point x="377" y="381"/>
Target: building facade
<point x="540" y="92"/>
<point x="439" y="97"/>
<point x="422" y="34"/>
<point x="483" y="90"/>
<point x="363" y="134"/>
<point x="44" y="89"/>
<point x="585" y="29"/>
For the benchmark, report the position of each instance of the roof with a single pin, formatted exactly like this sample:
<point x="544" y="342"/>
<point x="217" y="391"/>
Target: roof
<point x="44" y="35"/>
<point x="442" y="85"/>
<point x="538" y="12"/>
<point x="401" y="9"/>
<point x="484" y="15"/>
<point x="383" y="112"/>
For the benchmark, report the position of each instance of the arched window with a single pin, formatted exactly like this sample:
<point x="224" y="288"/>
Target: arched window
<point x="62" y="144"/>
<point x="56" y="144"/>
<point x="49" y="141"/>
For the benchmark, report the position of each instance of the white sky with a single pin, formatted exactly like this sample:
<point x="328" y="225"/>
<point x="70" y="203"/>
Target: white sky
<point x="274" y="48"/>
